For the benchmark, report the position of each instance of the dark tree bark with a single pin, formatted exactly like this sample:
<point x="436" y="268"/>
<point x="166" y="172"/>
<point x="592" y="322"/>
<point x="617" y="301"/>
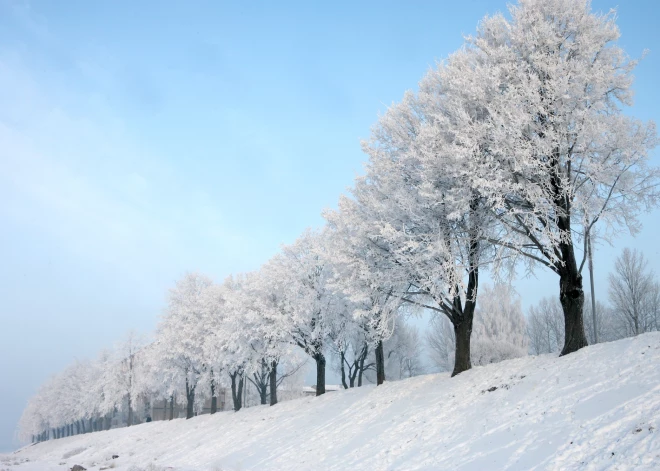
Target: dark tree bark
<point x="361" y="368"/>
<point x="342" y="360"/>
<point x="352" y="376"/>
<point x="571" y="297"/>
<point x="273" y="383"/>
<point x="358" y="366"/>
<point x="362" y="360"/>
<point x="463" y="332"/>
<point x="320" y="373"/>
<point x="171" y="406"/>
<point x="380" y="363"/>
<point x="260" y="381"/>
<point x="214" y="399"/>
<point x="237" y="390"/>
<point x="463" y="315"/>
<point x="190" y="401"/>
<point x="130" y="412"/>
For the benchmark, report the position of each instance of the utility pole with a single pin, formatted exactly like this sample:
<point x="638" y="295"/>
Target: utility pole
<point x="591" y="279"/>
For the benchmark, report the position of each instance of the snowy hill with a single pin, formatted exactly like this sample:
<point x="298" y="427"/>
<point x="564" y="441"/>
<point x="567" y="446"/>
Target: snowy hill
<point x="596" y="409"/>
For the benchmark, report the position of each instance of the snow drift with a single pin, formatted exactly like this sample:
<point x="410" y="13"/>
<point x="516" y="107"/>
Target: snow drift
<point x="595" y="409"/>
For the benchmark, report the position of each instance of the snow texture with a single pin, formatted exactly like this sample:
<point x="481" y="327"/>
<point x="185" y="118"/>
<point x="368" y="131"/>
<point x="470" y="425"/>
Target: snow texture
<point x="596" y="409"/>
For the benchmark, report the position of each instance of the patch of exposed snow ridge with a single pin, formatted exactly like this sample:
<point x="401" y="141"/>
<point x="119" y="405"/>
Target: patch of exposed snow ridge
<point x="595" y="409"/>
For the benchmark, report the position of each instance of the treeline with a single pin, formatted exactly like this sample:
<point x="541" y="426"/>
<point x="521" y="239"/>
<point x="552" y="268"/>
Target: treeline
<point x="507" y="157"/>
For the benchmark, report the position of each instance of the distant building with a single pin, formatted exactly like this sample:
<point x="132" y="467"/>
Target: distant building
<point x="311" y="390"/>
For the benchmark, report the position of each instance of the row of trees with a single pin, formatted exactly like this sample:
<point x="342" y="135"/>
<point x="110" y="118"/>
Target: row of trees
<point x="253" y="328"/>
<point x="508" y="155"/>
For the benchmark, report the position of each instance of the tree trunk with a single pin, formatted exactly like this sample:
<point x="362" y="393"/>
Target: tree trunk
<point x="463" y="328"/>
<point x="571" y="297"/>
<point x="463" y="323"/>
<point x="273" y="383"/>
<point x="214" y="399"/>
<point x="261" y="382"/>
<point x="571" y="294"/>
<point x="362" y="360"/>
<point x="190" y="400"/>
<point x="237" y="390"/>
<point x="130" y="412"/>
<point x="463" y="332"/>
<point x="353" y="374"/>
<point x="380" y="364"/>
<point x="171" y="406"/>
<point x="320" y="373"/>
<point x="342" y="359"/>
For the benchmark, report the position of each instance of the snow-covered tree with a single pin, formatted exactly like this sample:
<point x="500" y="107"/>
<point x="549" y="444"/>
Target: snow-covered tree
<point x="557" y="153"/>
<point x="374" y="304"/>
<point x="180" y="340"/>
<point x="302" y="305"/>
<point x="413" y="229"/>
<point x="123" y="376"/>
<point x="236" y="344"/>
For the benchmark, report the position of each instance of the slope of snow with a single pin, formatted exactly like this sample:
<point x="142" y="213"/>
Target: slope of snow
<point x="596" y="409"/>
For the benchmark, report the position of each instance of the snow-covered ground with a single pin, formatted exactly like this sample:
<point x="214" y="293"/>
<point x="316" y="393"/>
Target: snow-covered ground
<point x="596" y="409"/>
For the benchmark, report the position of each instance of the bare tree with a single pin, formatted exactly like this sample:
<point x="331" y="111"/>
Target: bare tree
<point x="634" y="293"/>
<point x="440" y="340"/>
<point x="545" y="326"/>
<point x="403" y="352"/>
<point x="607" y="325"/>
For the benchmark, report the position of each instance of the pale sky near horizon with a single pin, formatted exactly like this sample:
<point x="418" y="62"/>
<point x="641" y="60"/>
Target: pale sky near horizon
<point x="141" y="140"/>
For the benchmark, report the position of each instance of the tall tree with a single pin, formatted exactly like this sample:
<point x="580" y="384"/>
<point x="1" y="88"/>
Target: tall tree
<point x="414" y="228"/>
<point x="302" y="304"/>
<point x="180" y="340"/>
<point x="557" y="153"/>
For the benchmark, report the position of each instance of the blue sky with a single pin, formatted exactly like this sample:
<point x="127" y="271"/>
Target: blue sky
<point x="139" y="140"/>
